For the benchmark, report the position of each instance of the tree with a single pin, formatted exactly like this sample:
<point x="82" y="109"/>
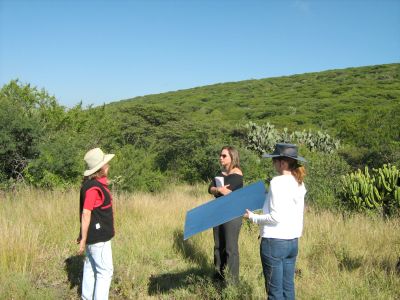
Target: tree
<point x="26" y="116"/>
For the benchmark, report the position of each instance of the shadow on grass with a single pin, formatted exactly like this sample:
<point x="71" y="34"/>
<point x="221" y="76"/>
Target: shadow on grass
<point x="191" y="252"/>
<point x="346" y="261"/>
<point x="163" y="283"/>
<point x="74" y="269"/>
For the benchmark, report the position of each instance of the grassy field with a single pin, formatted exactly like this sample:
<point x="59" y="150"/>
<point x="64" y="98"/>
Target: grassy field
<point x="340" y="257"/>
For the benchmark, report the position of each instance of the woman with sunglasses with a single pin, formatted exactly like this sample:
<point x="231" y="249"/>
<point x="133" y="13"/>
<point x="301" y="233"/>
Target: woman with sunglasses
<point x="281" y="223"/>
<point x="226" y="236"/>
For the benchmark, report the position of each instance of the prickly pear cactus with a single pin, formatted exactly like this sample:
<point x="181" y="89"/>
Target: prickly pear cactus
<point x="262" y="139"/>
<point x="319" y="141"/>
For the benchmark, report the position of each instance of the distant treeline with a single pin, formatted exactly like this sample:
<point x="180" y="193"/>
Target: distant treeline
<point x="176" y="136"/>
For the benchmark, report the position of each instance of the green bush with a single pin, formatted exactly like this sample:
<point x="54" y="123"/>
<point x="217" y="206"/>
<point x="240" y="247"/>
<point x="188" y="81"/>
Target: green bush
<point x="254" y="167"/>
<point x="186" y="151"/>
<point x="60" y="163"/>
<point x="133" y="169"/>
<point x="324" y="173"/>
<point x="20" y="129"/>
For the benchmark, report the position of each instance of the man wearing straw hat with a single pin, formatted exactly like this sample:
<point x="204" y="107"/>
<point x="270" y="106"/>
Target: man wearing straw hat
<point x="97" y="226"/>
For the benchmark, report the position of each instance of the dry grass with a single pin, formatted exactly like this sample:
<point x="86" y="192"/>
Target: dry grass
<point x="340" y="257"/>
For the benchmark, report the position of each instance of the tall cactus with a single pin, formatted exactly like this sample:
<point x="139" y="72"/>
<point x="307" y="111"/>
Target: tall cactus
<point x="378" y="190"/>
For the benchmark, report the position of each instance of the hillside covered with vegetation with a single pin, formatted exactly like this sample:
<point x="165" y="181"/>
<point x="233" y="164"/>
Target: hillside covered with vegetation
<point x="176" y="136"/>
<point x="359" y="106"/>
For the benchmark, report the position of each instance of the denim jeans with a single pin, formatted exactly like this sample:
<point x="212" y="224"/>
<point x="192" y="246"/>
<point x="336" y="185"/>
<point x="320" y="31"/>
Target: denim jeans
<point x="97" y="271"/>
<point x="278" y="258"/>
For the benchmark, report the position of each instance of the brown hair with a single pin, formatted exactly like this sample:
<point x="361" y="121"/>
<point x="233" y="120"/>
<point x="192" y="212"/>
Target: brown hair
<point x="98" y="174"/>
<point x="234" y="154"/>
<point x="298" y="171"/>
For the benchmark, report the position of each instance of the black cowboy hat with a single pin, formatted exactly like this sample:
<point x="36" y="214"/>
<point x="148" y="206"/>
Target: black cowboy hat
<point x="285" y="150"/>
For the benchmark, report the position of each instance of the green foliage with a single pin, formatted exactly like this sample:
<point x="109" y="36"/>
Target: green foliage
<point x="324" y="172"/>
<point x="133" y="169"/>
<point x="320" y="141"/>
<point x="177" y="135"/>
<point x="187" y="151"/>
<point x="262" y="139"/>
<point x="254" y="167"/>
<point x="44" y="143"/>
<point x="374" y="136"/>
<point x="379" y="190"/>
<point x="21" y="121"/>
<point x="60" y="162"/>
<point x="137" y="124"/>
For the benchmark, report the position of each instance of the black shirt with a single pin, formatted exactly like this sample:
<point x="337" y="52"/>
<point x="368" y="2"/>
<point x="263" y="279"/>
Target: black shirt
<point x="234" y="180"/>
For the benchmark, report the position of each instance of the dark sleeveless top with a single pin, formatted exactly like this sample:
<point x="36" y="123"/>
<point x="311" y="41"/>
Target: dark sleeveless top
<point x="234" y="180"/>
<point x="101" y="227"/>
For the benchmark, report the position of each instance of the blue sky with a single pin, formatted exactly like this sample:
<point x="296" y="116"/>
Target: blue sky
<point x="103" y="51"/>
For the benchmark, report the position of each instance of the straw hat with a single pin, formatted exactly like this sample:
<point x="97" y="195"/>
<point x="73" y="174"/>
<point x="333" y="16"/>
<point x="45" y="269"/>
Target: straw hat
<point x="95" y="159"/>
<point x="285" y="150"/>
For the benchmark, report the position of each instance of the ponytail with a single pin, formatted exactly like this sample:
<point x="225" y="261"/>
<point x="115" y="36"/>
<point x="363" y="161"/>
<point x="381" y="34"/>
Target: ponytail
<point x="298" y="171"/>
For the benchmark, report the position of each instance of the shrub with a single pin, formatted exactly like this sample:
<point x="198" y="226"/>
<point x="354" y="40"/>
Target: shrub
<point x="60" y="163"/>
<point x="323" y="178"/>
<point x="133" y="169"/>
<point x="254" y="167"/>
<point x="20" y="130"/>
<point x="187" y="152"/>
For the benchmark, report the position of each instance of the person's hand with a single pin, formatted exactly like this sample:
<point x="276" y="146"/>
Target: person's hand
<point x="82" y="246"/>
<point x="247" y="214"/>
<point x="224" y="190"/>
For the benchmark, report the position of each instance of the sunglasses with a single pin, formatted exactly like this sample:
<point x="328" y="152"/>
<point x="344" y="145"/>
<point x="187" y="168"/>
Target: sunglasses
<point x="223" y="155"/>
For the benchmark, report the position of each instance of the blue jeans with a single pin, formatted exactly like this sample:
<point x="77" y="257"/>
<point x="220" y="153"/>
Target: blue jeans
<point x="97" y="271"/>
<point x="278" y="258"/>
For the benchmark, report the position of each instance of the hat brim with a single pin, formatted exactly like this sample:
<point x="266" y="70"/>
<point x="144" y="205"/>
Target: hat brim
<point x="106" y="159"/>
<point x="278" y="155"/>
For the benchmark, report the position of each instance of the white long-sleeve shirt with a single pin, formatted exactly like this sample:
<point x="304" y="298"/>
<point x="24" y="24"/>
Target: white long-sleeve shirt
<point x="283" y="209"/>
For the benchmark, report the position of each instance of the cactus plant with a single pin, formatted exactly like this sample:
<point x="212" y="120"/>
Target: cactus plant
<point x="378" y="190"/>
<point x="262" y="139"/>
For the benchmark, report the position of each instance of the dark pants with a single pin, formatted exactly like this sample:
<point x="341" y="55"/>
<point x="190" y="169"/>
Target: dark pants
<point x="226" y="248"/>
<point x="278" y="258"/>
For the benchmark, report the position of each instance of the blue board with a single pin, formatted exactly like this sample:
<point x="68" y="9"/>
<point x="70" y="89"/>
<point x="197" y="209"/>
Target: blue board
<point x="224" y="209"/>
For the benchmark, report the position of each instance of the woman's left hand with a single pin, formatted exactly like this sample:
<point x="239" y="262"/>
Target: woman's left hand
<point x="224" y="190"/>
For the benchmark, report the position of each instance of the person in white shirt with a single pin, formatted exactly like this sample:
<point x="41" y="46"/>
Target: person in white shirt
<point x="281" y="223"/>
